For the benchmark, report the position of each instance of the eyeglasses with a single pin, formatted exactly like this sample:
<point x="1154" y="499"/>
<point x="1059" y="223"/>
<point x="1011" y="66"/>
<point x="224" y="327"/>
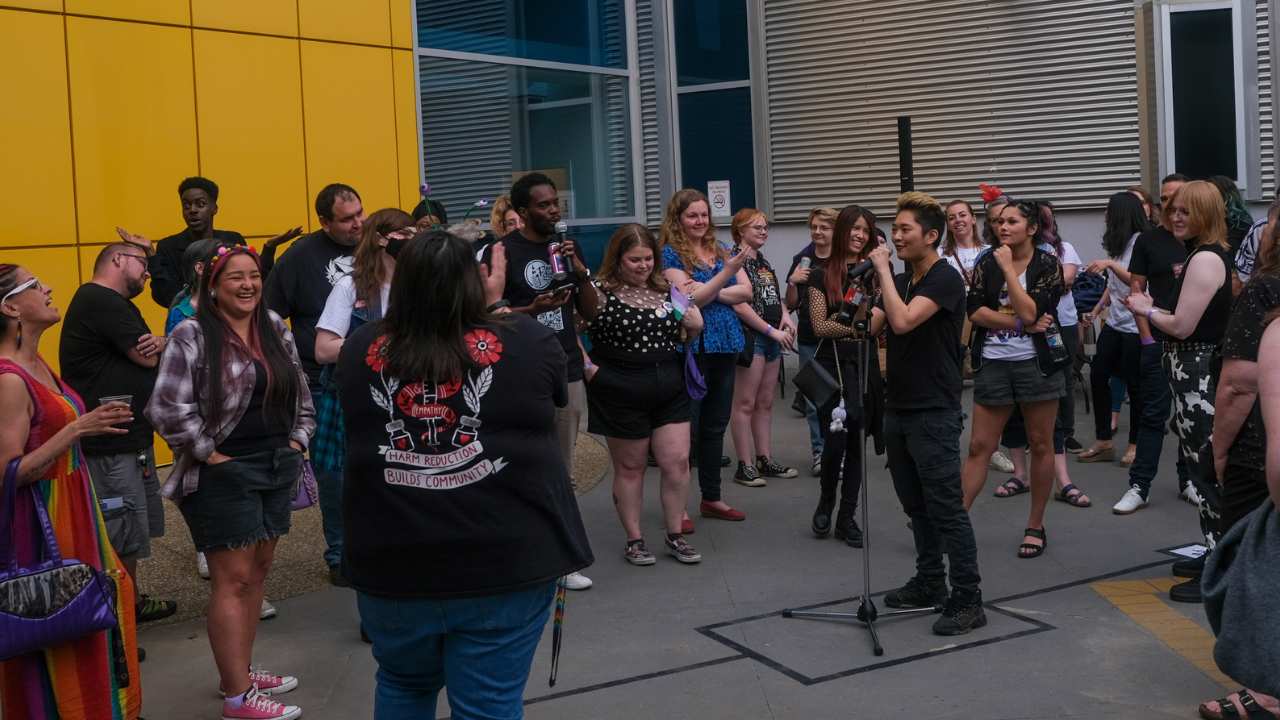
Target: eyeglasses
<point x="23" y="287"/>
<point x="759" y="228"/>
<point x="140" y="258"/>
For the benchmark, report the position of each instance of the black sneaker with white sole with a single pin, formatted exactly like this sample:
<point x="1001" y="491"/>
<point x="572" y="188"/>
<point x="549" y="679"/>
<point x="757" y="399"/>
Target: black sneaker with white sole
<point x="770" y="469"/>
<point x="680" y="549"/>
<point x="918" y="593"/>
<point x="748" y="475"/>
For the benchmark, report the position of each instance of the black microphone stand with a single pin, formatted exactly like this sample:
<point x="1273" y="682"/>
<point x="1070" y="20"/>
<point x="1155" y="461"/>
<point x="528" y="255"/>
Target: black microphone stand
<point x="867" y="613"/>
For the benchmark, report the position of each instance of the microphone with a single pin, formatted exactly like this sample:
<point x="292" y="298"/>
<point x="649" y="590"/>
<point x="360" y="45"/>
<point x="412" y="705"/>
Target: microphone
<point x="859" y="270"/>
<point x="562" y="227"/>
<point x="805" y="262"/>
<point x="559" y="268"/>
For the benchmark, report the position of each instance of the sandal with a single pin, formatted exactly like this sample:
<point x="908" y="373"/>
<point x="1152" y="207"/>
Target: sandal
<point x="1097" y="454"/>
<point x="1026" y="551"/>
<point x="1227" y="709"/>
<point x="1072" y="495"/>
<point x="1129" y="456"/>
<point x="1012" y="486"/>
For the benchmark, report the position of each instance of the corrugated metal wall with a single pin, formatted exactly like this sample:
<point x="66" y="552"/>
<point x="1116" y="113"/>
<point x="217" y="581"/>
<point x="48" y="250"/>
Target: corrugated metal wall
<point x="1266" y="101"/>
<point x="646" y="39"/>
<point x="1039" y="97"/>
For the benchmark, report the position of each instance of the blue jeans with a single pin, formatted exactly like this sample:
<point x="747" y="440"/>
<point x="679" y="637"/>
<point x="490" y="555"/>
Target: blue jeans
<point x="1156" y="398"/>
<point x="811" y="413"/>
<point x="710" y="418"/>
<point x="329" y="485"/>
<point x="479" y="650"/>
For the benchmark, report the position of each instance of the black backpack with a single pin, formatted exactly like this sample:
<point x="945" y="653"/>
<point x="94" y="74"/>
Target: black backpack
<point x="1087" y="291"/>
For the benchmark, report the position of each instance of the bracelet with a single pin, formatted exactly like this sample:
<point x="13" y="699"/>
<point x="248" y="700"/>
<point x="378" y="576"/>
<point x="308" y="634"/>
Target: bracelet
<point x="1017" y="325"/>
<point x="1148" y="341"/>
<point x="503" y="303"/>
<point x="1150" y="312"/>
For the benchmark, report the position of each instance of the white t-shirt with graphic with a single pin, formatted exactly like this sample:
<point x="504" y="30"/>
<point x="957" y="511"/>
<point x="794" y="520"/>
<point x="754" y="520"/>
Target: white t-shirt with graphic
<point x="1067" y="315"/>
<point x="336" y="317"/>
<point x="1008" y="344"/>
<point x="964" y="260"/>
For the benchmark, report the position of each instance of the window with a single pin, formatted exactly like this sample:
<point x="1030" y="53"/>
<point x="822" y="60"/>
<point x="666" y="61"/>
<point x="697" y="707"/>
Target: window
<point x="510" y="87"/>
<point x="712" y="79"/>
<point x="1203" y="99"/>
<point x="582" y="32"/>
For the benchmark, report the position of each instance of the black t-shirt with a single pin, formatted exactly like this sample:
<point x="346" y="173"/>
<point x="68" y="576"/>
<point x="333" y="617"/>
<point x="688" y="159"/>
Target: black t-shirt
<point x="458" y="489"/>
<point x="765" y="298"/>
<point x="298" y="287"/>
<point x="818" y="266"/>
<point x="165" y="265"/>
<point x="258" y="429"/>
<point x="100" y="328"/>
<point x="1159" y="257"/>
<point x="1260" y="296"/>
<point x="528" y="276"/>
<point x="1213" y="323"/>
<point x="924" y="365"/>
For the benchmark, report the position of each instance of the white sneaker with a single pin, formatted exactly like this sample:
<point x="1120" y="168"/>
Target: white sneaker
<point x="577" y="581"/>
<point x="1130" y="502"/>
<point x="268" y="610"/>
<point x="1191" y="495"/>
<point x="202" y="565"/>
<point x="1001" y="462"/>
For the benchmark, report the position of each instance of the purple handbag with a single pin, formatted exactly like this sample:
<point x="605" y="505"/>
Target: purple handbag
<point x="307" y="493"/>
<point x="53" y="601"/>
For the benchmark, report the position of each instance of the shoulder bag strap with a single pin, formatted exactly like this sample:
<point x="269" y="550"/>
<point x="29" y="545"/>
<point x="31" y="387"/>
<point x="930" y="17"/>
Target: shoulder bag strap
<point x="8" y="507"/>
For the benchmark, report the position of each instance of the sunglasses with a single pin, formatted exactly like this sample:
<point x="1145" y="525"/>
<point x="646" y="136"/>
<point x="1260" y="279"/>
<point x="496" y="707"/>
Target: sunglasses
<point x="21" y="288"/>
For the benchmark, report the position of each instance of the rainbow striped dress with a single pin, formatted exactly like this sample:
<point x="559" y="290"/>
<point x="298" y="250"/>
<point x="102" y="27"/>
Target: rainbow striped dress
<point x="95" y="677"/>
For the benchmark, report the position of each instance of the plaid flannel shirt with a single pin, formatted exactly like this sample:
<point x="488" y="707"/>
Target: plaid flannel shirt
<point x="177" y="409"/>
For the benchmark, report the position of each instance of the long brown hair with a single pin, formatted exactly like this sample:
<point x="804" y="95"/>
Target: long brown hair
<point x="367" y="271"/>
<point x="948" y="246"/>
<point x="840" y="254"/>
<point x="672" y="232"/>
<point x="620" y="243"/>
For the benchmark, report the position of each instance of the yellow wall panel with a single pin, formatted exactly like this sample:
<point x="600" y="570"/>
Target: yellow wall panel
<point x="250" y="94"/>
<point x="351" y="127"/>
<point x="275" y="17"/>
<point x="403" y="15"/>
<point x="407" y="128"/>
<point x="35" y="132"/>
<point x="55" y="5"/>
<point x="362" y="21"/>
<point x="166" y="11"/>
<point x="133" y="113"/>
<point x="56" y="268"/>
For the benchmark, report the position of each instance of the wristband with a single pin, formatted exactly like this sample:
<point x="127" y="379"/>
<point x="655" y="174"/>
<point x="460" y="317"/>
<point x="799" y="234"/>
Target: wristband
<point x="1148" y="341"/>
<point x="503" y="303"/>
<point x="1150" y="312"/>
<point x="1017" y="325"/>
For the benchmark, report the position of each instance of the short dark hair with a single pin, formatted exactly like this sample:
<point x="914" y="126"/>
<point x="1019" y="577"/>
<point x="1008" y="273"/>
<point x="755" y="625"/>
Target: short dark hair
<point x="1175" y="177"/>
<point x="329" y="195"/>
<point x="429" y="206"/>
<point x="199" y="183"/>
<point x="927" y="211"/>
<point x="521" y="189"/>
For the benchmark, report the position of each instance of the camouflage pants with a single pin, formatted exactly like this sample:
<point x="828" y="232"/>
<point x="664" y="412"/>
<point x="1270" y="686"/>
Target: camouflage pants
<point x="1193" y="379"/>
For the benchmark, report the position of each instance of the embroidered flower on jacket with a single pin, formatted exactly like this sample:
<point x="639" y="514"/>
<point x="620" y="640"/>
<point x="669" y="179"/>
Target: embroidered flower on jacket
<point x="484" y="347"/>
<point x="376" y="358"/>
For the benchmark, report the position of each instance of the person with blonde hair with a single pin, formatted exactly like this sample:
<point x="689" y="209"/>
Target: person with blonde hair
<point x="768" y="329"/>
<point x="701" y="267"/>
<point x="1195" y="325"/>
<point x="636" y="394"/>
<point x="503" y="218"/>
<point x="822" y="223"/>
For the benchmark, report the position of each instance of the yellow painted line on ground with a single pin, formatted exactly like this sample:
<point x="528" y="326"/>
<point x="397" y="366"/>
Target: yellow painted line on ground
<point x="1142" y="601"/>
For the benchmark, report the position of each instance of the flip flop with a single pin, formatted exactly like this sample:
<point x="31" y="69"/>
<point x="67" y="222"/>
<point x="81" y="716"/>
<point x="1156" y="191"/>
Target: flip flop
<point x="1227" y="709"/>
<point x="1012" y="486"/>
<point x="1079" y="499"/>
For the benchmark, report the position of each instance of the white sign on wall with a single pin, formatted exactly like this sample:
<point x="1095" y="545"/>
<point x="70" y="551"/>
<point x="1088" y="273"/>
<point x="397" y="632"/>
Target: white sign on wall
<point x="718" y="194"/>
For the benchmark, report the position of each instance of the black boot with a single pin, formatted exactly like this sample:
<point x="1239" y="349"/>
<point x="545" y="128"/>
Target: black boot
<point x="822" y="516"/>
<point x="847" y="527"/>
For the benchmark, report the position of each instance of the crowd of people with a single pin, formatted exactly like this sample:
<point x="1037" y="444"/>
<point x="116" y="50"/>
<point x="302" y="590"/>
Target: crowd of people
<point x="431" y="381"/>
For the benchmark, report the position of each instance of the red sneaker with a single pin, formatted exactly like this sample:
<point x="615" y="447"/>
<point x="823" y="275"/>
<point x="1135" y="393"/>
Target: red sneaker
<point x="710" y="511"/>
<point x="257" y="706"/>
<point x="686" y="527"/>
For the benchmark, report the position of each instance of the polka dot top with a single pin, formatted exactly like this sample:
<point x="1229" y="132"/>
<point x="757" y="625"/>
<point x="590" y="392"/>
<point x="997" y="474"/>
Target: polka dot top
<point x="637" y="323"/>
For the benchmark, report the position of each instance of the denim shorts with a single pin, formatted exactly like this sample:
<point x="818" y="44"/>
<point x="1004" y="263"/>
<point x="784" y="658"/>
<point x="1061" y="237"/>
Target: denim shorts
<point x="770" y="349"/>
<point x="243" y="501"/>
<point x="1007" y="382"/>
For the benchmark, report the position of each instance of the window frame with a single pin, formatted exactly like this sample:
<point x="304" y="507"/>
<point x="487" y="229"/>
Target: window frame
<point x="631" y="72"/>
<point x="1247" y="137"/>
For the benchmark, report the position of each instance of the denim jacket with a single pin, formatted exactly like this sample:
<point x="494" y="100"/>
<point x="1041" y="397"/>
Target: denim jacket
<point x="177" y="410"/>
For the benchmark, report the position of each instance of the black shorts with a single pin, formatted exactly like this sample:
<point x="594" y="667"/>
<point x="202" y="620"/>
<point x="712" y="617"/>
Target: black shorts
<point x="629" y="401"/>
<point x="243" y="501"/>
